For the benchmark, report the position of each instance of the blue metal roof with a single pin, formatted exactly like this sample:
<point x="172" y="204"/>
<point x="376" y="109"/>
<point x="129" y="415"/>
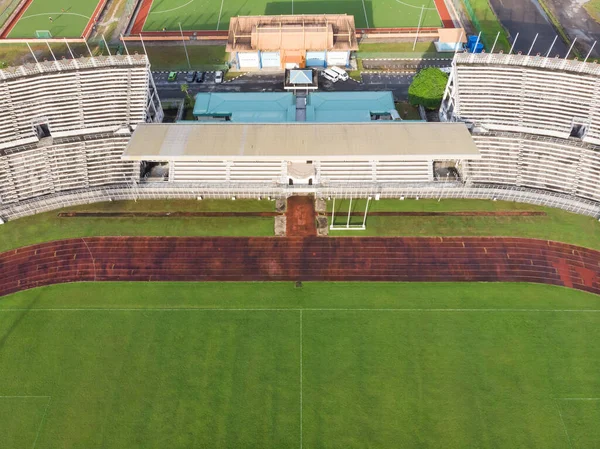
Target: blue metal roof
<point x="247" y="107"/>
<point x="280" y="107"/>
<point x="327" y="107"/>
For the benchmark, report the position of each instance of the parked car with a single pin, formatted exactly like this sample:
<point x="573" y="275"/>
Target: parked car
<point x="218" y="77"/>
<point x="342" y="74"/>
<point x="172" y="76"/>
<point x="200" y="76"/>
<point x="190" y="77"/>
<point x="330" y="75"/>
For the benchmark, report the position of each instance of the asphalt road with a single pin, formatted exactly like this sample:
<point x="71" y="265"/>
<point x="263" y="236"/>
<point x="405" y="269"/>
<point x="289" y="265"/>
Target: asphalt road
<point x="273" y="82"/>
<point x="527" y="18"/>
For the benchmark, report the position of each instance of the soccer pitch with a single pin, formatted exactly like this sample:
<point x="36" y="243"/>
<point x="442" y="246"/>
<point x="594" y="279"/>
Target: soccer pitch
<point x="327" y="365"/>
<point x="69" y="18"/>
<point x="215" y="15"/>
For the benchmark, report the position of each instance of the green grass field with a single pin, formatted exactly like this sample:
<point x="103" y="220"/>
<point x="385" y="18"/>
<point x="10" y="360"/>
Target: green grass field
<point x="215" y="15"/>
<point x="556" y="225"/>
<point x="268" y="365"/>
<point x="69" y="18"/>
<point x="48" y="226"/>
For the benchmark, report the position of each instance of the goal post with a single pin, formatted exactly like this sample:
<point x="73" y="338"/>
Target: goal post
<point x="43" y="34"/>
<point x="348" y="226"/>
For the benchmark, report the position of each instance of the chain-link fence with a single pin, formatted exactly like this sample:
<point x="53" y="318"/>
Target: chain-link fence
<point x="476" y="22"/>
<point x="166" y="190"/>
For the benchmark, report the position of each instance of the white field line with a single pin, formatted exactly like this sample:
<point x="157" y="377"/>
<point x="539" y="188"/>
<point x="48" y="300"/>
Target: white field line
<point x="301" y="379"/>
<point x="91" y="255"/>
<point x="206" y="309"/>
<point x="51" y="14"/>
<point x="365" y="10"/>
<point x="578" y="399"/>
<point x="37" y="435"/>
<point x="563" y="424"/>
<point x="220" y="12"/>
<point x="42" y="422"/>
<point x="172" y="9"/>
<point x="292" y="7"/>
<point x="416" y="7"/>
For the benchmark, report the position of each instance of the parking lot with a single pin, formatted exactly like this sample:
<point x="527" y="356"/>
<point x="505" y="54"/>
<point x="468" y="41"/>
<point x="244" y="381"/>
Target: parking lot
<point x="160" y="77"/>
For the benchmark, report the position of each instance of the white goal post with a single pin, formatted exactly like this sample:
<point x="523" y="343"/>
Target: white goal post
<point x="348" y="226"/>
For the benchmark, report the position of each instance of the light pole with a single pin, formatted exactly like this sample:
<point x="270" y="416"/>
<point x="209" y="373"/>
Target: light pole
<point x="184" y="47"/>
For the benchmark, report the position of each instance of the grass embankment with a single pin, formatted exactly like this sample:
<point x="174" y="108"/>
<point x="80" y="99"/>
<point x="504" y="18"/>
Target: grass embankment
<point x="48" y="226"/>
<point x="593" y="9"/>
<point x="556" y="225"/>
<point x="172" y="57"/>
<point x="335" y="365"/>
<point x="489" y="24"/>
<point x="18" y="54"/>
<point x="399" y="50"/>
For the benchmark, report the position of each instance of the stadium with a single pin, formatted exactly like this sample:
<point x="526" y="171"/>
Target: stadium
<point x="291" y="270"/>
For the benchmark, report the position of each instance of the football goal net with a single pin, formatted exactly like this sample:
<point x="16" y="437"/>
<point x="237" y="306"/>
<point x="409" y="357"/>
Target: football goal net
<point x="350" y="219"/>
<point x="43" y="34"/>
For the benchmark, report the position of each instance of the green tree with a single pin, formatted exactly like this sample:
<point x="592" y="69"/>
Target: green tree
<point x="185" y="88"/>
<point x="427" y="88"/>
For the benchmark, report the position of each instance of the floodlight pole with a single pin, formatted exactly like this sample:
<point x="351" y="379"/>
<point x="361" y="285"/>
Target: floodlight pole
<point x="184" y="47"/>
<point x="349" y="211"/>
<point x="418" y="27"/>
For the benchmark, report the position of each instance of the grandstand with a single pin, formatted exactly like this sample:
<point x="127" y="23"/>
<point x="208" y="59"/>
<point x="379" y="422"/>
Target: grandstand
<point x="534" y="120"/>
<point x="64" y="124"/>
<point x="67" y="137"/>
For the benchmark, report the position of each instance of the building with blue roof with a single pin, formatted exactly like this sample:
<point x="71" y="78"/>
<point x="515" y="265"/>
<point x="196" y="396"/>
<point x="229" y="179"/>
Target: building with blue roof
<point x="336" y="107"/>
<point x="246" y="107"/>
<point x="281" y="107"/>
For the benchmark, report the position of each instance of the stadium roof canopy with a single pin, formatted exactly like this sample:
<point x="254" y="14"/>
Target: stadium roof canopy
<point x="301" y="141"/>
<point x="292" y="32"/>
<point x="330" y="107"/>
<point x="247" y="107"/>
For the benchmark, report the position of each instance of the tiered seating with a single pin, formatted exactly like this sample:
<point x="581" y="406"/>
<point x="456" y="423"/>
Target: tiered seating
<point x="513" y="93"/>
<point x="523" y="110"/>
<point x="526" y="160"/>
<point x="81" y="104"/>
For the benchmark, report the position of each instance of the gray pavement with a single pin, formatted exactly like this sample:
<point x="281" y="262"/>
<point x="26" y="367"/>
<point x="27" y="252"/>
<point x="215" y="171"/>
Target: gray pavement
<point x="527" y="18"/>
<point x="273" y="82"/>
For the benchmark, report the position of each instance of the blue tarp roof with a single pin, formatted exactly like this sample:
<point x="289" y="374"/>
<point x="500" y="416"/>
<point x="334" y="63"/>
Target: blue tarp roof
<point x="268" y="107"/>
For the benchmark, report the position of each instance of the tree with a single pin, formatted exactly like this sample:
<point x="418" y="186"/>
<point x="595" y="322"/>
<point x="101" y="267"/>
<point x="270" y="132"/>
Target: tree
<point x="427" y="88"/>
<point x="185" y="88"/>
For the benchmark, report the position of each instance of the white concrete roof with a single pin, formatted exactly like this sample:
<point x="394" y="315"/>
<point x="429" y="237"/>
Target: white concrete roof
<point x="385" y="140"/>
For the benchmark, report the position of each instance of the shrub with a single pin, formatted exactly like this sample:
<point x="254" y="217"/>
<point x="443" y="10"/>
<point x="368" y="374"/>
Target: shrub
<point x="427" y="88"/>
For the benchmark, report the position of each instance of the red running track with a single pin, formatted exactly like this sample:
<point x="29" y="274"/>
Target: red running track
<point x="300" y="258"/>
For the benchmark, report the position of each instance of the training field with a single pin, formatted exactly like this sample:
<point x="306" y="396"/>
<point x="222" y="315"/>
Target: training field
<point x="329" y="365"/>
<point x="215" y="15"/>
<point x="69" y="18"/>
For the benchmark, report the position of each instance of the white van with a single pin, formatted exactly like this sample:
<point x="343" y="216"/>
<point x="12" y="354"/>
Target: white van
<point x="342" y="74"/>
<point x="330" y="75"/>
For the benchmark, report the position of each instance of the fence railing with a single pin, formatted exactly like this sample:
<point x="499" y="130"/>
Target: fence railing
<point x="165" y="190"/>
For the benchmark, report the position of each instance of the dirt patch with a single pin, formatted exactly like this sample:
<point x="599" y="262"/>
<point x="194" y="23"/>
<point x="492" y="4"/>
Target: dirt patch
<point x="301" y="216"/>
<point x="164" y="214"/>
<point x="507" y="213"/>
